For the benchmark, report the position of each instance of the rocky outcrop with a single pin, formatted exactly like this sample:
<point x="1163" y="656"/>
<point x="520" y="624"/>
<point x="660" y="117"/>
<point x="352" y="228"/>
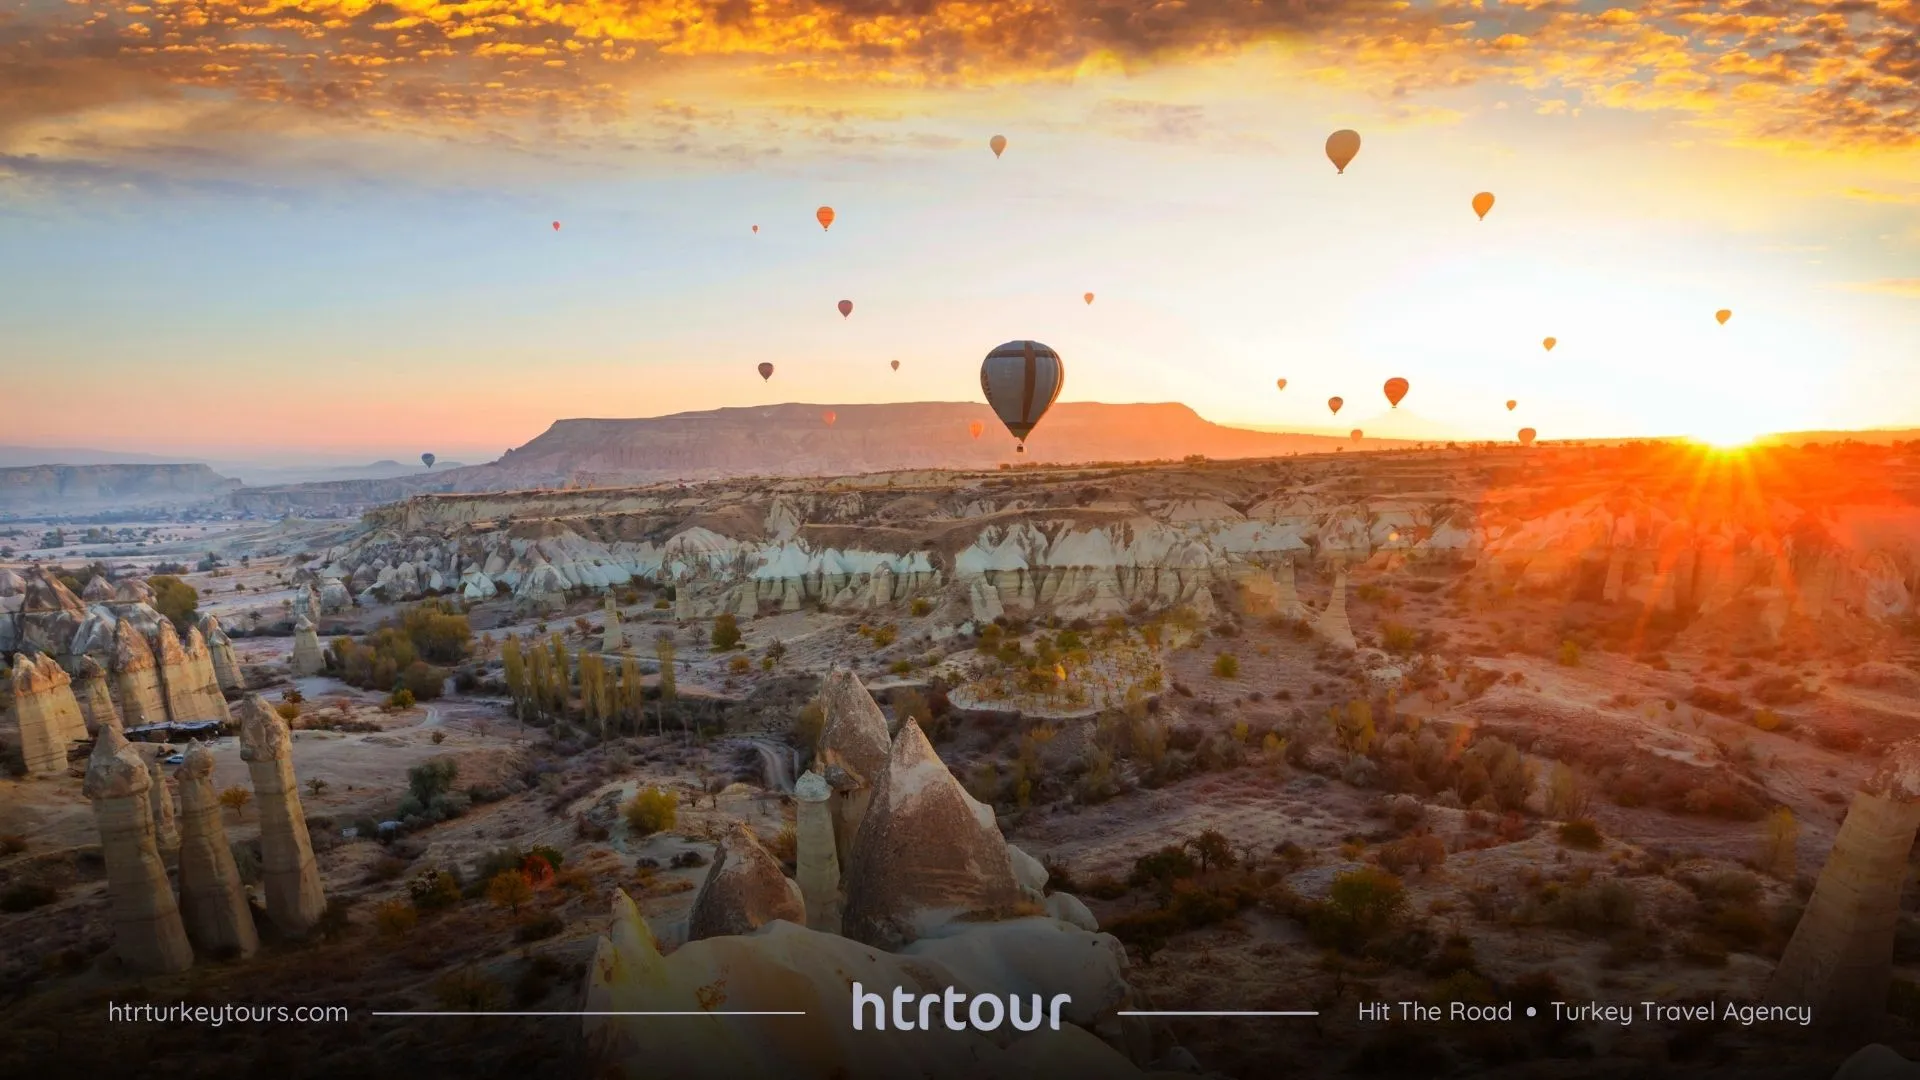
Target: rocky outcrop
<point x="213" y="901"/>
<point x="334" y="597"/>
<point x="166" y="833"/>
<point x="191" y="691"/>
<point x="901" y="884"/>
<point x="94" y="691"/>
<point x="816" y="858"/>
<point x="291" y="877"/>
<point x="613" y="637"/>
<point x="743" y="890"/>
<point x="855" y="744"/>
<point x="1840" y="959"/>
<point x="307" y="658"/>
<point x="44" y="719"/>
<point x="1286" y="598"/>
<point x="306" y="605"/>
<point x="226" y="665"/>
<point x="791" y="968"/>
<point x="137" y="677"/>
<point x="148" y="934"/>
<point x="49" y="615"/>
<point x="1332" y="625"/>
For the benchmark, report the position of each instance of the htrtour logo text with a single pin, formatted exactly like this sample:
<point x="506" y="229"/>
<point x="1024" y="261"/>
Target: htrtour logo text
<point x="958" y="1010"/>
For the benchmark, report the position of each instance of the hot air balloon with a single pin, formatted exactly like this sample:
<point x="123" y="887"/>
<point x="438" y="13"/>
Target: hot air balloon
<point x="1280" y="383"/>
<point x="766" y="370"/>
<point x="1723" y="315"/>
<point x="976" y="428"/>
<point x="1549" y="343"/>
<point x="756" y="228"/>
<point x="1334" y="403"/>
<point x="1341" y="146"/>
<point x="1482" y="203"/>
<point x="427" y="459"/>
<point x="846" y="308"/>
<point x="829" y="417"/>
<point x="896" y="365"/>
<point x="824" y="216"/>
<point x="999" y="144"/>
<point x="1060" y="672"/>
<point x="556" y="226"/>
<point x="1355" y="434"/>
<point x="1396" y="389"/>
<point x="1527" y="435"/>
<point x="1021" y="379"/>
<point x="1087" y="297"/>
<point x="1511" y="404"/>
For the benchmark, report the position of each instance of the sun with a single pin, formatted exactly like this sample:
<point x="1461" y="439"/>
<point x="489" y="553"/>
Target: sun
<point x="1725" y="436"/>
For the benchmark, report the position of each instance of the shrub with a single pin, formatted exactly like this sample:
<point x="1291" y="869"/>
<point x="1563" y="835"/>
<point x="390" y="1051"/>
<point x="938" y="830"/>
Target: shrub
<point x="1162" y="867"/>
<point x="726" y="632"/>
<point x="509" y="889"/>
<point x="809" y="723"/>
<point x="177" y="600"/>
<point x="1361" y="905"/>
<point x="395" y="918"/>
<point x="401" y="698"/>
<point x="1227" y="666"/>
<point x="467" y="990"/>
<point x="1766" y="719"/>
<point x="434" y="890"/>
<point x="423" y="681"/>
<point x="1396" y="638"/>
<point x="235" y="799"/>
<point x="1724" y="702"/>
<point x="1779" y="847"/>
<point x="884" y="636"/>
<point x="651" y="811"/>
<point x="1422" y="850"/>
<point x="1582" y="834"/>
<point x="431" y="778"/>
<point x="739" y="665"/>
<point x="920" y="606"/>
<point x="1569" y="654"/>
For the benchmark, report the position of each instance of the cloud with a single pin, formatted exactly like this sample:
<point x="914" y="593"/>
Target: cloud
<point x="1820" y="74"/>
<point x="1887" y="286"/>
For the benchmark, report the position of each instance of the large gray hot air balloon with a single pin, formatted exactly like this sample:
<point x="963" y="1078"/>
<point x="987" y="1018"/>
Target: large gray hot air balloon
<point x="1021" y="379"/>
<point x="428" y="459"/>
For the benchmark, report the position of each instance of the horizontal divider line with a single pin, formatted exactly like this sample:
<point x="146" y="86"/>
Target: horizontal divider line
<point x="1141" y="1012"/>
<point x="695" y="1012"/>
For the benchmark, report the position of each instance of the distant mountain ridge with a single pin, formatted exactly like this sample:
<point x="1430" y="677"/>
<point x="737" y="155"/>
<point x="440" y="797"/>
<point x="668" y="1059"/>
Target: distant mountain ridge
<point x="77" y="487"/>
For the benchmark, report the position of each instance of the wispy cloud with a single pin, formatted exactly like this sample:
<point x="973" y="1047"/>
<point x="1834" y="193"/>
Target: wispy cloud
<point x="1887" y="286"/>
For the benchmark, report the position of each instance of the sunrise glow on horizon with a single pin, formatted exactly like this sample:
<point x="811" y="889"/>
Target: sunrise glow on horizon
<point x="327" y="226"/>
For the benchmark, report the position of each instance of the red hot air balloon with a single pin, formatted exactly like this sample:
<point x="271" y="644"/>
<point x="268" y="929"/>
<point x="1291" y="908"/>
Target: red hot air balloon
<point x="1355" y="434"/>
<point x="1280" y="384"/>
<point x="824" y="216"/>
<point x="1334" y="403"/>
<point x="1527" y="436"/>
<point x="766" y="370"/>
<point x="1511" y="404"/>
<point x="1396" y="389"/>
<point x="556" y="226"/>
<point x="756" y="228"/>
<point x="976" y="428"/>
<point x="998" y="144"/>
<point x="846" y="308"/>
<point x="829" y="416"/>
<point x="1088" y="297"/>
<point x="896" y="365"/>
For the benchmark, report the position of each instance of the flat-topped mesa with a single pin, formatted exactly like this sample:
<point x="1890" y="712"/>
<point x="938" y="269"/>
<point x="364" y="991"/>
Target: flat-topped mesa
<point x="137" y="678"/>
<point x="44" y="717"/>
<point x="743" y="890"/>
<point x="1840" y="959"/>
<point x="94" y="691"/>
<point x="816" y="858"/>
<point x="186" y="678"/>
<point x="166" y="834"/>
<point x="853" y="736"/>
<point x="1332" y="625"/>
<point x="307" y="658"/>
<point x="295" y="900"/>
<point x="213" y="900"/>
<point x="926" y="852"/>
<point x="226" y="665"/>
<point x="148" y="934"/>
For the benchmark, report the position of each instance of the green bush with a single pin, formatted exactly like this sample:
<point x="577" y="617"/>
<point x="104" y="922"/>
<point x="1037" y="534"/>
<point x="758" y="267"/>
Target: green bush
<point x="651" y="811"/>
<point x="726" y="632"/>
<point x="1361" y="905"/>
<point x="1582" y="834"/>
<point x="177" y="600"/>
<point x="434" y="890"/>
<point x="1227" y="666"/>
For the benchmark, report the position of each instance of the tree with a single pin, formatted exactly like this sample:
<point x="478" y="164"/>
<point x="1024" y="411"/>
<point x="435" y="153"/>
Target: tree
<point x="1212" y="849"/>
<point x="516" y="666"/>
<point x="726" y="632"/>
<point x="632" y="691"/>
<point x="236" y="799"/>
<point x="177" y="600"/>
<point x="650" y="811"/>
<point x="509" y="889"/>
<point x="1568" y="797"/>
<point x="663" y="650"/>
<point x="316" y="786"/>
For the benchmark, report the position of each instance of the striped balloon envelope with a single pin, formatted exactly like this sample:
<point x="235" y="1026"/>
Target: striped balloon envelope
<point x="1021" y="380"/>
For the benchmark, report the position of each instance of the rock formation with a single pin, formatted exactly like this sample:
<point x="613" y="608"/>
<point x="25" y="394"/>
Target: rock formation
<point x="148" y="934"/>
<point x="292" y="878"/>
<point x="45" y="719"/>
<point x="1286" y="600"/>
<point x="92" y="689"/>
<point x="613" y="638"/>
<point x="306" y="605"/>
<point x="49" y="614"/>
<point x="743" y="890"/>
<point x="307" y="657"/>
<point x="816" y="857"/>
<point x="137" y="678"/>
<point x="334" y="597"/>
<point x="226" y="666"/>
<point x="1840" y="959"/>
<point x="901" y="883"/>
<point x="853" y="738"/>
<point x="191" y="692"/>
<point x="213" y="901"/>
<point x="1332" y="626"/>
<point x="166" y="834"/>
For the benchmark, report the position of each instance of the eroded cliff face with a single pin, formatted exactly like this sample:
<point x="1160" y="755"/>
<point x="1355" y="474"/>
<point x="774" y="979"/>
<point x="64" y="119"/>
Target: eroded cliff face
<point x="68" y="487"/>
<point x="1607" y="525"/>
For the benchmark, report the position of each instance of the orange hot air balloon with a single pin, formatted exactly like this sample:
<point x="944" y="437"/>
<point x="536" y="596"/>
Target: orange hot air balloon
<point x="1334" y="403"/>
<point x="1482" y="203"/>
<point x="1280" y="383"/>
<point x="829" y="416"/>
<point x="846" y="308"/>
<point x="756" y="228"/>
<point x="1355" y="434"/>
<point x="1549" y="343"/>
<point x="1396" y="389"/>
<point x="766" y="370"/>
<point x="896" y="365"/>
<point x="976" y="428"/>
<point x="999" y="144"/>
<point x="1527" y="436"/>
<point x="824" y="216"/>
<point x="1088" y="297"/>
<point x="1723" y="315"/>
<point x="1511" y="404"/>
<point x="556" y="226"/>
<point x="1342" y="145"/>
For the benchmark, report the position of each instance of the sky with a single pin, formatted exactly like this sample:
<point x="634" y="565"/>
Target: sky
<point x="325" y="225"/>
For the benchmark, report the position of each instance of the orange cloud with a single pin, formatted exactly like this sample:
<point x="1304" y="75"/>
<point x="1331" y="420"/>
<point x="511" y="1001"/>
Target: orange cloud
<point x="1888" y="286"/>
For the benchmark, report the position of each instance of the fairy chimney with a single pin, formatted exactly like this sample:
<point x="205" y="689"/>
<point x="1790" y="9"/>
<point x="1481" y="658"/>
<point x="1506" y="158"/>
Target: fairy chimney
<point x="292" y="878"/>
<point x="148" y="934"/>
<point x="213" y="901"/>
